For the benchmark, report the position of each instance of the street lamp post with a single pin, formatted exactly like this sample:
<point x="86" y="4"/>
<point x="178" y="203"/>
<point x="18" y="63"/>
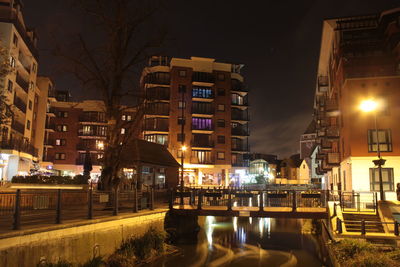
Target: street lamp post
<point x="182" y="183"/>
<point x="371" y="106"/>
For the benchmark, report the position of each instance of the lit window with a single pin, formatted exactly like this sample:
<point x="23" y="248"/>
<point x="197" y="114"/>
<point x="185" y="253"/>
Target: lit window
<point x="62" y="128"/>
<point x="99" y="144"/>
<point x="221" y="155"/>
<point x="387" y="179"/>
<point x="128" y="117"/>
<point x="384" y="140"/>
<point x="122" y="130"/>
<point x="60" y="156"/>
<point x="60" y="142"/>
<point x="12" y="62"/>
<point x="123" y="117"/>
<point x="181" y="104"/>
<point x="221" y="107"/>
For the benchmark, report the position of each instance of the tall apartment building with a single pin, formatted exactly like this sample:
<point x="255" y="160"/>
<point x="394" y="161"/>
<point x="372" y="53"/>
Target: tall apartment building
<point x="210" y="100"/>
<point x="22" y="137"/>
<point x="359" y="59"/>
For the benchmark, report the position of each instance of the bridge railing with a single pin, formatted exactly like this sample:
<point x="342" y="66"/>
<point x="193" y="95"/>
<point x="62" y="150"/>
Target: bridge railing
<point x="231" y="197"/>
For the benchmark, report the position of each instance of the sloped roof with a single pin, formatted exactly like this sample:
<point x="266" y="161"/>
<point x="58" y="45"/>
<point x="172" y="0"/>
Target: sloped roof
<point x="148" y="152"/>
<point x="296" y="160"/>
<point x="311" y="128"/>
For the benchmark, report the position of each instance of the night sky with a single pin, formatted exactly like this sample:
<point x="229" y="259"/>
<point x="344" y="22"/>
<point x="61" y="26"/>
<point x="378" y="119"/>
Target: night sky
<point x="278" y="42"/>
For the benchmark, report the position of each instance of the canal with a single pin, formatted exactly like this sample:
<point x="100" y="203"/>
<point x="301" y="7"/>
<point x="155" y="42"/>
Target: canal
<point x="244" y="241"/>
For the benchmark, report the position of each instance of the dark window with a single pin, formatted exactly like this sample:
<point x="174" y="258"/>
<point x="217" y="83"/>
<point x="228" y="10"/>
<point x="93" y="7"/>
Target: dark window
<point x="181" y="104"/>
<point x="62" y="128"/>
<point x="182" y="73"/>
<point x="60" y="156"/>
<point x="221" y="91"/>
<point x="387" y="179"/>
<point x="384" y="139"/>
<point x="181" y="121"/>
<point x="221" y="139"/>
<point x="221" y="77"/>
<point x="10" y="86"/>
<point x="180" y="137"/>
<point x="28" y="124"/>
<point x="221" y="123"/>
<point x="221" y="107"/>
<point x="221" y="155"/>
<point x="158" y="78"/>
<point x="15" y="40"/>
<point x="182" y="88"/>
<point x="30" y="104"/>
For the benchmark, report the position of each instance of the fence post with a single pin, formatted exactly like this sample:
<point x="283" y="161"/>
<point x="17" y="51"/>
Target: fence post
<point x="17" y="211"/>
<point x="90" y="204"/>
<point x="58" y="211"/>
<point x="135" y="199"/>
<point x="200" y="199"/>
<point x="396" y="228"/>
<point x="339" y="228"/>
<point x="261" y="200"/>
<point x="294" y="207"/>
<point x="363" y="231"/>
<point x="181" y="199"/>
<point x="358" y="202"/>
<point x="191" y="197"/>
<point x="229" y="200"/>
<point x="376" y="203"/>
<point x="152" y="198"/>
<point x="115" y="210"/>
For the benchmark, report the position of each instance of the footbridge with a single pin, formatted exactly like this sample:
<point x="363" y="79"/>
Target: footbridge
<point x="232" y="201"/>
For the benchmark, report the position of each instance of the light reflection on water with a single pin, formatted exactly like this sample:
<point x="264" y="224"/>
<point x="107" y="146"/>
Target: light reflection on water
<point x="244" y="241"/>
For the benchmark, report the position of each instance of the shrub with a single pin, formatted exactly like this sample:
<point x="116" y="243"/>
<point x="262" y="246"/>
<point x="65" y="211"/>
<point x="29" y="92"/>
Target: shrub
<point x="260" y="179"/>
<point x="60" y="263"/>
<point x="348" y="248"/>
<point x="42" y="179"/>
<point x="118" y="260"/>
<point x="368" y="259"/>
<point x="94" y="262"/>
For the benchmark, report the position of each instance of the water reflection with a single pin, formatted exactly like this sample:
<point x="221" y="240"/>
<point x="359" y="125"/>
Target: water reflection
<point x="244" y="241"/>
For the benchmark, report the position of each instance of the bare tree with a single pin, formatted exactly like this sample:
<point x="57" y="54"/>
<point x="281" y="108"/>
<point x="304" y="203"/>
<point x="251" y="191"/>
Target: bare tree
<point x="108" y="60"/>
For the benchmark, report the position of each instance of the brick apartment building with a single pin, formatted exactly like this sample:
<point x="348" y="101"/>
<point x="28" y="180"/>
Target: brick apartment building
<point x="210" y="100"/>
<point x="22" y="136"/>
<point x="359" y="59"/>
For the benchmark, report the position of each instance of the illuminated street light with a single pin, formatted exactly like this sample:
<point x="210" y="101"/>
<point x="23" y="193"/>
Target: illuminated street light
<point x="367" y="106"/>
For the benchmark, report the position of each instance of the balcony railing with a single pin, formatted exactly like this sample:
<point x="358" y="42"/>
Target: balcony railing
<point x="241" y="164"/>
<point x="197" y="160"/>
<point x="333" y="158"/>
<point x="240" y="147"/>
<point x="98" y="118"/>
<point x="19" y="127"/>
<point x="332" y="132"/>
<point x="203" y="77"/>
<point x="162" y="127"/>
<point x="20" y="104"/>
<point x="239" y="115"/>
<point x="209" y="127"/>
<point x="22" y="82"/>
<point x="24" y="62"/>
<point x="331" y="105"/>
<point x="240" y="131"/>
<point x="240" y="102"/>
<point x="19" y="145"/>
<point x="50" y="126"/>
<point x="238" y="86"/>
<point x="202" y="143"/>
<point x="202" y="108"/>
<point x="88" y="147"/>
<point x="157" y="93"/>
<point x="157" y="109"/>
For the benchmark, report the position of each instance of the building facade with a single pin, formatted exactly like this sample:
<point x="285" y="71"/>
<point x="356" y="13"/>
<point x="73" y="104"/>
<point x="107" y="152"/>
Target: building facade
<point x="21" y="136"/>
<point x="201" y="105"/>
<point x="359" y="59"/>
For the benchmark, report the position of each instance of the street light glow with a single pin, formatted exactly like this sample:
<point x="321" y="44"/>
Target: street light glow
<point x="368" y="105"/>
<point x="184" y="148"/>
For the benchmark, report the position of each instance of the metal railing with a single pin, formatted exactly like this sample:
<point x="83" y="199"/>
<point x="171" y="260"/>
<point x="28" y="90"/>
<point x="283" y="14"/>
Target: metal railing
<point x="30" y="208"/>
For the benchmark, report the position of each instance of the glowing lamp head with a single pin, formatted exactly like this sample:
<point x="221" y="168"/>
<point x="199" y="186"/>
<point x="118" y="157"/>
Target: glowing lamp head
<point x="368" y="105"/>
<point x="184" y="148"/>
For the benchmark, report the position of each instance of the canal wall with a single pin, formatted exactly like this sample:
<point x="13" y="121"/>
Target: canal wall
<point x="75" y="243"/>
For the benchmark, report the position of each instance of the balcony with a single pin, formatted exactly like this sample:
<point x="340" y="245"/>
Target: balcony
<point x="51" y="111"/>
<point x="240" y="101"/>
<point x="20" y="104"/>
<point x="239" y="115"/>
<point x="240" y="131"/>
<point x="19" y="127"/>
<point x="201" y="160"/>
<point x="202" y="108"/>
<point x="332" y="132"/>
<point x="238" y="86"/>
<point x="24" y="84"/>
<point x="203" y="77"/>
<point x="93" y="132"/>
<point x="202" y="143"/>
<point x="201" y="93"/>
<point x="24" y="62"/>
<point x="97" y="117"/>
<point x="157" y="93"/>
<point x="91" y="146"/>
<point x="93" y="160"/>
<point x="19" y="145"/>
<point x="240" y="147"/>
<point x="157" y="109"/>
<point x="50" y="126"/>
<point x="323" y="84"/>
<point x="333" y="158"/>
<point x="158" y="78"/>
<point x="331" y="106"/>
<point x="160" y="125"/>
<point x="49" y="142"/>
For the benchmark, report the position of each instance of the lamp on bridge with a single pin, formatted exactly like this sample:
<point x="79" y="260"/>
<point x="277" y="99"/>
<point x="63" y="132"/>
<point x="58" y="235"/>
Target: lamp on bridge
<point x="367" y="106"/>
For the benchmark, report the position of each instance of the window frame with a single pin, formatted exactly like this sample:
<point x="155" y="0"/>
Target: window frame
<point x="374" y="180"/>
<point x="388" y="140"/>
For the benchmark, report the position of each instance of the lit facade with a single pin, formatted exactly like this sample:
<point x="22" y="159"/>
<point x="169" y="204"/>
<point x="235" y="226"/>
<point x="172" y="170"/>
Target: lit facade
<point x="210" y="100"/>
<point x="22" y="136"/>
<point x="359" y="60"/>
